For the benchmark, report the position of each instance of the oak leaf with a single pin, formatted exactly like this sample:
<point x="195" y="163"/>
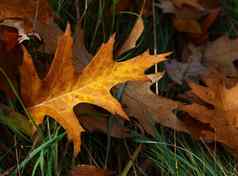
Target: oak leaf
<point x="25" y="9"/>
<point x="153" y="108"/>
<point x="93" y="119"/>
<point x="82" y="56"/>
<point x="192" y="17"/>
<point x="223" y="52"/>
<point x="135" y="32"/>
<point x="192" y="3"/>
<point x="157" y="109"/>
<point x="221" y="115"/>
<point x="206" y="23"/>
<point x="10" y="58"/>
<point x="49" y="33"/>
<point x="22" y="14"/>
<point x="134" y="35"/>
<point x="190" y="68"/>
<point x="63" y="87"/>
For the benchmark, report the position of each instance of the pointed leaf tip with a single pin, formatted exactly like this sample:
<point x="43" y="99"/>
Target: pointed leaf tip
<point x="68" y="29"/>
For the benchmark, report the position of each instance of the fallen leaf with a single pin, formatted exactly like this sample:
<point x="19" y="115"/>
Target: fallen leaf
<point x="63" y="87"/>
<point x="209" y="4"/>
<point x="187" y="25"/>
<point x="192" y="3"/>
<point x="157" y="109"/>
<point x="10" y="58"/>
<point x="152" y="108"/>
<point x="94" y="120"/>
<point x="134" y="35"/>
<point x="167" y="6"/>
<point x="9" y="37"/>
<point x="179" y="72"/>
<point x="81" y="55"/>
<point x="206" y="23"/>
<point x="89" y="170"/>
<point x="189" y="69"/>
<point x="126" y="5"/>
<point x="23" y="9"/>
<point x="222" y="116"/>
<point x="185" y="18"/>
<point x="193" y="17"/>
<point x="223" y="52"/>
<point x="49" y="33"/>
<point x="15" y="120"/>
<point x="23" y="14"/>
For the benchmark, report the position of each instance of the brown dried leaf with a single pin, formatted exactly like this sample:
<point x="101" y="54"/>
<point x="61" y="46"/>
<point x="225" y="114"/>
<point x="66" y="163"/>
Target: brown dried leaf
<point x="136" y="31"/>
<point x="89" y="170"/>
<point x="157" y="109"/>
<point x="223" y="52"/>
<point x="25" y="9"/>
<point x="80" y="52"/>
<point x="187" y="25"/>
<point x="141" y="103"/>
<point x="8" y="37"/>
<point x="94" y="120"/>
<point x="190" y="68"/>
<point x="135" y="34"/>
<point x="188" y="16"/>
<point x="49" y="34"/>
<point x="16" y="11"/>
<point x="206" y="23"/>
<point x="222" y="118"/>
<point x="192" y="3"/>
<point x="10" y="58"/>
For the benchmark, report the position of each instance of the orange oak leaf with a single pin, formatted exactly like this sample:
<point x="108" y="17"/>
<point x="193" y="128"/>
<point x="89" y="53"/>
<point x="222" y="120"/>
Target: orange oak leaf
<point x="222" y="117"/>
<point x="63" y="87"/>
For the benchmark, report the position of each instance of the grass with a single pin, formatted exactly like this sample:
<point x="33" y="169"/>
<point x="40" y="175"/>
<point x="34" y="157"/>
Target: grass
<point x="171" y="153"/>
<point x="180" y="155"/>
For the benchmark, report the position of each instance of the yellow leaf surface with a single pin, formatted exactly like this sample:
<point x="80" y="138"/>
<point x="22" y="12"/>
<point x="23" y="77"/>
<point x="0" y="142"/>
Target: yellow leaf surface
<point x="63" y="87"/>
